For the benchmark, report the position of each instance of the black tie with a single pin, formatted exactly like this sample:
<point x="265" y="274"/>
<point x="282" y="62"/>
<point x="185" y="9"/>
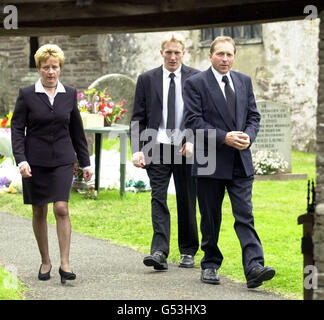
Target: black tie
<point x="171" y="105"/>
<point x="230" y="97"/>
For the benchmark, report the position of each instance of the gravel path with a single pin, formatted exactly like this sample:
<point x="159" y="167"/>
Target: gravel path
<point x="106" y="271"/>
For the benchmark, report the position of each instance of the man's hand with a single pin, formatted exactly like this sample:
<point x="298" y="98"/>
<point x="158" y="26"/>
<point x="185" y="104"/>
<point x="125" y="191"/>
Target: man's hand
<point x="25" y="170"/>
<point x="237" y="139"/>
<point x="138" y="159"/>
<point x="187" y="149"/>
<point x="87" y="174"/>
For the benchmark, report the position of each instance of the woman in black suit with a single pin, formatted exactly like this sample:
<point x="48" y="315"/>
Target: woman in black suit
<point x="47" y="138"/>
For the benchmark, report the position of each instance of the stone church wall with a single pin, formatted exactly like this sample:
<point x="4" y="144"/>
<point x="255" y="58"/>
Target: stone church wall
<point x="3" y="84"/>
<point x="283" y="67"/>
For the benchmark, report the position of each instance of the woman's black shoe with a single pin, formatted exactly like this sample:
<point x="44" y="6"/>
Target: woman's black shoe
<point x="44" y="276"/>
<point x="66" y="275"/>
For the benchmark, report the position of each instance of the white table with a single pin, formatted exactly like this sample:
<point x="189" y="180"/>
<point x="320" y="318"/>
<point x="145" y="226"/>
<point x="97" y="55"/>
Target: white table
<point x="122" y="131"/>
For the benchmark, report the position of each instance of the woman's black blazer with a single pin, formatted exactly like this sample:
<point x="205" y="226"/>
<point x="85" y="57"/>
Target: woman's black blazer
<point x="46" y="135"/>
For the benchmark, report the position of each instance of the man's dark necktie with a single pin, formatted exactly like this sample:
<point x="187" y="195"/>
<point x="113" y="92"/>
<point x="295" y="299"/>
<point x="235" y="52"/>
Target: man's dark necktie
<point x="230" y="97"/>
<point x="171" y="106"/>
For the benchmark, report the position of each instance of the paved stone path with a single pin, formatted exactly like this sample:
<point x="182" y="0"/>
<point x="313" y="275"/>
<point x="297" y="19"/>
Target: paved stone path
<point x="105" y="271"/>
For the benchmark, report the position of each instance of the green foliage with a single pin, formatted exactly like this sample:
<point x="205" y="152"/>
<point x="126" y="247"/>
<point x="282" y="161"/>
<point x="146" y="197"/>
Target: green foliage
<point x="10" y="287"/>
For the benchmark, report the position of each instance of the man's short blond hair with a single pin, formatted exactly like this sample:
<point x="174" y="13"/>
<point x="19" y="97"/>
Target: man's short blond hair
<point x="49" y="51"/>
<point x="173" y="37"/>
<point x="222" y="39"/>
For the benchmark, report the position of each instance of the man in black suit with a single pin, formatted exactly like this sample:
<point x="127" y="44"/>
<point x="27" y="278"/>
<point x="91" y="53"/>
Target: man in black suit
<point x="220" y="106"/>
<point x="159" y="146"/>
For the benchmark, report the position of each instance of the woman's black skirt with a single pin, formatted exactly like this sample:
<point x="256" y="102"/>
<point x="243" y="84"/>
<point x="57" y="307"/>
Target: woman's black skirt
<point x="48" y="185"/>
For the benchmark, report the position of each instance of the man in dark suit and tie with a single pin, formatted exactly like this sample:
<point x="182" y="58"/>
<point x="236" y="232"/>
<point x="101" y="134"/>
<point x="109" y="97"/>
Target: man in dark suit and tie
<point x="220" y="106"/>
<point x="159" y="145"/>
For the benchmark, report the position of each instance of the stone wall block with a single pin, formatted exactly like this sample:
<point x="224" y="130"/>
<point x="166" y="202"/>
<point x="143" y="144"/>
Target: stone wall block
<point x="318" y="234"/>
<point x="318" y="294"/>
<point x="318" y="252"/>
<point x="320" y="266"/>
<point x="319" y="210"/>
<point x="4" y="101"/>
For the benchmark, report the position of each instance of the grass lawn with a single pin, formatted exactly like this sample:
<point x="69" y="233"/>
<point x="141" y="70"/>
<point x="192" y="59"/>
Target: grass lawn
<point x="127" y="221"/>
<point x="10" y="287"/>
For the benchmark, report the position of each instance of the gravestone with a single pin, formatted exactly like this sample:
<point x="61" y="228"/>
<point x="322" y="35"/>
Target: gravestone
<point x="119" y="87"/>
<point x="275" y="133"/>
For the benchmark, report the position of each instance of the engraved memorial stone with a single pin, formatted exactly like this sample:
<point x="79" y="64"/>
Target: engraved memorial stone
<point x="275" y="133"/>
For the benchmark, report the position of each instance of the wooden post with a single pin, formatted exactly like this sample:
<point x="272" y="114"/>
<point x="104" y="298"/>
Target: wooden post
<point x="307" y="220"/>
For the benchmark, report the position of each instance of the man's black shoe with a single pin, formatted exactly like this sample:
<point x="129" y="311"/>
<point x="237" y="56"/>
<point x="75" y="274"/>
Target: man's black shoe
<point x="259" y="274"/>
<point x="187" y="261"/>
<point x="156" y="260"/>
<point x="210" y="276"/>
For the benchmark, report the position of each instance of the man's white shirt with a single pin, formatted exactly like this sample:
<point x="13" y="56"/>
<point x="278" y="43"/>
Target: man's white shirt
<point x="162" y="136"/>
<point x="219" y="76"/>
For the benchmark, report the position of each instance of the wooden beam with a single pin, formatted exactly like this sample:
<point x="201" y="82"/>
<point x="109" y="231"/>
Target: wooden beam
<point x="162" y="3"/>
<point x="67" y="9"/>
<point x="15" y="2"/>
<point x="138" y="18"/>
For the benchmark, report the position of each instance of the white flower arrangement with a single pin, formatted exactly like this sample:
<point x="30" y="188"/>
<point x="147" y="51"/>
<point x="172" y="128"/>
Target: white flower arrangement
<point x="268" y="162"/>
<point x="5" y="142"/>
